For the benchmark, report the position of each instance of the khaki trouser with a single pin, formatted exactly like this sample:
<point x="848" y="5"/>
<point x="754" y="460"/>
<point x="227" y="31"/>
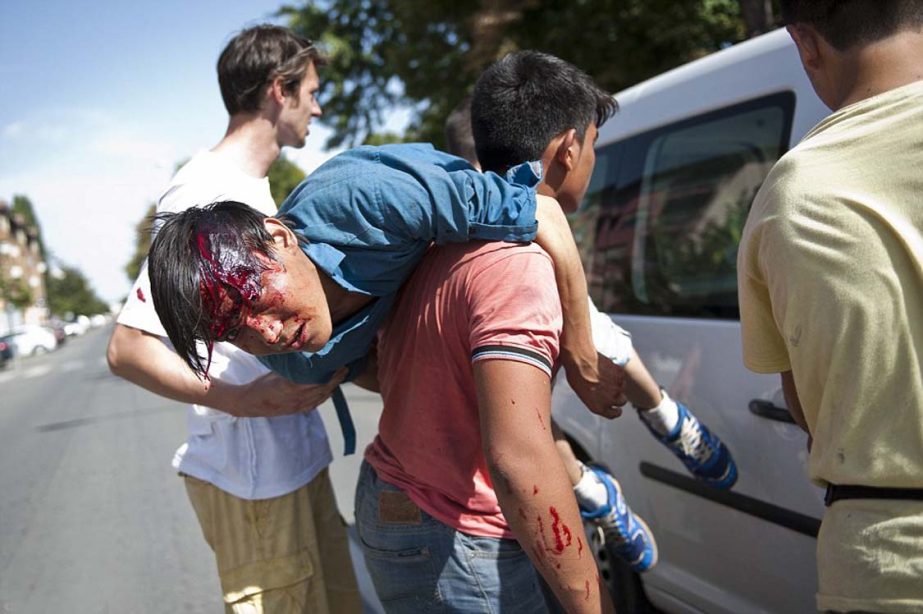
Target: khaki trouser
<point x="283" y="555"/>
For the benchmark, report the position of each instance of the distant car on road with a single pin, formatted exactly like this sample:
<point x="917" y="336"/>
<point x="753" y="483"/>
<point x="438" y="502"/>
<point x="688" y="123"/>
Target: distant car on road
<point x="77" y="327"/>
<point x="31" y="340"/>
<point x="6" y="353"/>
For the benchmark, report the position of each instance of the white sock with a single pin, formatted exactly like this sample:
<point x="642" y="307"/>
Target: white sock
<point x="590" y="491"/>
<point x="664" y="417"/>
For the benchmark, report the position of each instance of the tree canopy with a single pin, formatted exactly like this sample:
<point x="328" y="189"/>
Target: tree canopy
<point x="284" y="175"/>
<point x="142" y="243"/>
<point x="424" y="56"/>
<point x="70" y="294"/>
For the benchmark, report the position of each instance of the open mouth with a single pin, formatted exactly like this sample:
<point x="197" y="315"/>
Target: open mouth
<point x="297" y="339"/>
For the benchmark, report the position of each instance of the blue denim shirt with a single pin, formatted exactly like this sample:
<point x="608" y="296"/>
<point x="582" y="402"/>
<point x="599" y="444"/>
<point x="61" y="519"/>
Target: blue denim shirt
<point x="370" y="214"/>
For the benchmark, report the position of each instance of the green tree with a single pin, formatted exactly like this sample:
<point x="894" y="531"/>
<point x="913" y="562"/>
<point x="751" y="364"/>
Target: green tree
<point x="23" y="206"/>
<point x="70" y="293"/>
<point x="284" y="175"/>
<point x="142" y="243"/>
<point x="15" y="292"/>
<point x="425" y="56"/>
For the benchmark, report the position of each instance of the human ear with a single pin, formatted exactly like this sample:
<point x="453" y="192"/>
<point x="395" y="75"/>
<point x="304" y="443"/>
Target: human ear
<point x="282" y="236"/>
<point x="276" y="90"/>
<point x="566" y="154"/>
<point x="805" y="38"/>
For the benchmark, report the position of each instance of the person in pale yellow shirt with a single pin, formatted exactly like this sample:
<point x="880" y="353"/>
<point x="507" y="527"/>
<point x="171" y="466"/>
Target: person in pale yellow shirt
<point x="830" y="274"/>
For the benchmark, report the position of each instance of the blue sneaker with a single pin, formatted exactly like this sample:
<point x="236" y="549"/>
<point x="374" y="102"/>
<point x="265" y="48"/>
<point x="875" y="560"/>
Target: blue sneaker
<point x="626" y="533"/>
<point x="704" y="455"/>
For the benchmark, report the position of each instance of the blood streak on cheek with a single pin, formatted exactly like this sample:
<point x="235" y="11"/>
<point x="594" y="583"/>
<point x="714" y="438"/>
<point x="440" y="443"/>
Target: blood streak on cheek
<point x="579" y="547"/>
<point x="586" y="597"/>
<point x="534" y="490"/>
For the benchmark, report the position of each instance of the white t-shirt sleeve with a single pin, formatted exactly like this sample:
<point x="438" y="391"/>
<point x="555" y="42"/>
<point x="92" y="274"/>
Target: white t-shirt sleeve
<point x="138" y="311"/>
<point x="610" y="339"/>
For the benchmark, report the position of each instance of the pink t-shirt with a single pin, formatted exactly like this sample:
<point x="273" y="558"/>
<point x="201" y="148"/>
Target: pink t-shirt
<point x="464" y="303"/>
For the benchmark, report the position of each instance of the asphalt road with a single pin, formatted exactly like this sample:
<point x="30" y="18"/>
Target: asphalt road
<point x="92" y="516"/>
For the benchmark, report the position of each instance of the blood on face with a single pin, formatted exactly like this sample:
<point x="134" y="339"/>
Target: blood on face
<point x="229" y="283"/>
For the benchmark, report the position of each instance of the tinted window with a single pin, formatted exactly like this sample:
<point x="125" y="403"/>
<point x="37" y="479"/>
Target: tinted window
<point x="666" y="208"/>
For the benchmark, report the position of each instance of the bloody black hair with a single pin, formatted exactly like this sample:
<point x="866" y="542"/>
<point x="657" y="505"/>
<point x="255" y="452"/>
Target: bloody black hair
<point x="200" y="259"/>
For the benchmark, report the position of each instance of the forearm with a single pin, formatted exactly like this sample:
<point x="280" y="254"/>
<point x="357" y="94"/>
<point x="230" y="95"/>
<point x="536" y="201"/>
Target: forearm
<point x="538" y="501"/>
<point x="145" y="361"/>
<point x="555" y="237"/>
<point x="531" y="484"/>
<point x="596" y="380"/>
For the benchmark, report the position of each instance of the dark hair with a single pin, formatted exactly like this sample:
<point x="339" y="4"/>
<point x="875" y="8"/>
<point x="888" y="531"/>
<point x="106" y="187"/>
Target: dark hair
<point x="258" y="55"/>
<point x="459" y="140"/>
<point x="199" y="259"/>
<point x="847" y="23"/>
<point x="527" y="98"/>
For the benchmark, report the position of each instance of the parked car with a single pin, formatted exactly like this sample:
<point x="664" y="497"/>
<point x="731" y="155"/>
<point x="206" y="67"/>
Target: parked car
<point x="57" y="327"/>
<point x="77" y="327"/>
<point x="31" y="339"/>
<point x="676" y="171"/>
<point x="6" y="353"/>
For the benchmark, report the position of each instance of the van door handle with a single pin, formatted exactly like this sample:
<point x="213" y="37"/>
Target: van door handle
<point x="770" y="411"/>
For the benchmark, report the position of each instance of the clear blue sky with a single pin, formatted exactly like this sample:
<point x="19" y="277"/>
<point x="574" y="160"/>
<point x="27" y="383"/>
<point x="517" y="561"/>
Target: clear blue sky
<point x="100" y="99"/>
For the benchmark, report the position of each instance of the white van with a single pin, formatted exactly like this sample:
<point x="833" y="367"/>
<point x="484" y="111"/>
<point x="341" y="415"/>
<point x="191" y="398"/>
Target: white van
<point x="676" y="171"/>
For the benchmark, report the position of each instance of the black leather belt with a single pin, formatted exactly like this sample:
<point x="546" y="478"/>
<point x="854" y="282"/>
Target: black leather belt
<point x="835" y="492"/>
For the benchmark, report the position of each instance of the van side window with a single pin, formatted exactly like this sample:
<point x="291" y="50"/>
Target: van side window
<point x="669" y="207"/>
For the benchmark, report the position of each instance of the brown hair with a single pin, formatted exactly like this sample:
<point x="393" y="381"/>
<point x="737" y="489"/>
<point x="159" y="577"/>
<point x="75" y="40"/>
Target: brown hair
<point x="258" y="55"/>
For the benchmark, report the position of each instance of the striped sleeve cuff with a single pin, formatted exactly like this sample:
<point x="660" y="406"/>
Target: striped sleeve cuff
<point x="512" y="352"/>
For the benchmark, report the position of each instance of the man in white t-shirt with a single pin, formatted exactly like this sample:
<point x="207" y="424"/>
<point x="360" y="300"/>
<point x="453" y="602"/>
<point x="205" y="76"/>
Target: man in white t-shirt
<point x="255" y="462"/>
<point x="830" y="272"/>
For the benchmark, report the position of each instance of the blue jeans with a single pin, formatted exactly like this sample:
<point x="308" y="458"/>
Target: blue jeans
<point x="420" y="565"/>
